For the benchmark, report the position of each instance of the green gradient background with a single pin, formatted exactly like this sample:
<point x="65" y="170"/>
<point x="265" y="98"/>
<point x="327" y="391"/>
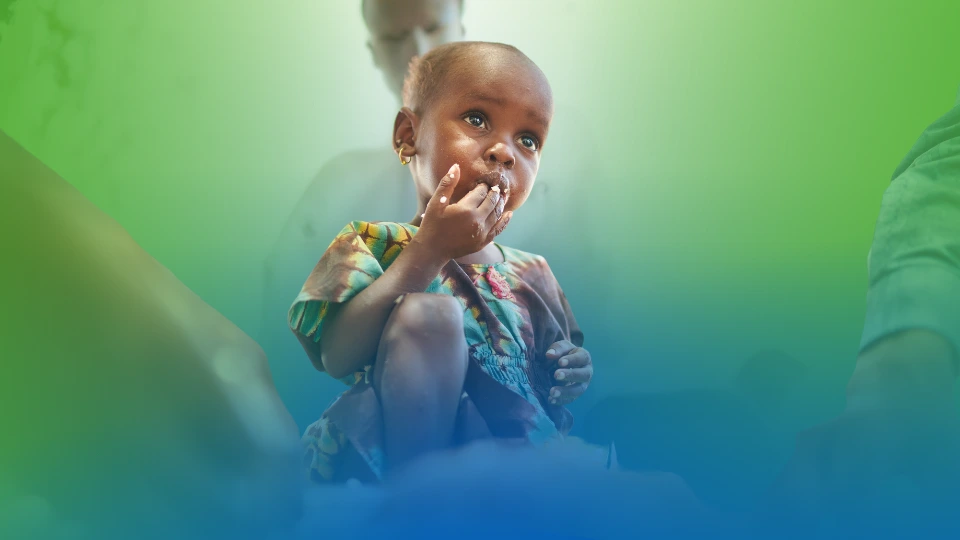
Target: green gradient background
<point x="740" y="149"/>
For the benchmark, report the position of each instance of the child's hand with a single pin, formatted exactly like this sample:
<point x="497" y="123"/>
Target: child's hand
<point x="575" y="371"/>
<point x="465" y="227"/>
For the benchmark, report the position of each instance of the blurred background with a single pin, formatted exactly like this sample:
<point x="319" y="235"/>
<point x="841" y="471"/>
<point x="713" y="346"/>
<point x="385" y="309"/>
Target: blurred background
<point x="732" y="155"/>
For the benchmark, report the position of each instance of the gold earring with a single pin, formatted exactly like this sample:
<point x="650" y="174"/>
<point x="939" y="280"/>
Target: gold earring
<point x="400" y="155"/>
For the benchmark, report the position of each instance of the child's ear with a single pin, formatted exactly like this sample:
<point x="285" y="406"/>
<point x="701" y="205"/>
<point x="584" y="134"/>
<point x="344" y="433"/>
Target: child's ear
<point x="405" y="131"/>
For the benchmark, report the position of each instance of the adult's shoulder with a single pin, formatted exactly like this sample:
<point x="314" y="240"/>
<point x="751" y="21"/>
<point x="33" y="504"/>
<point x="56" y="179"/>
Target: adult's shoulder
<point x="945" y="130"/>
<point x="913" y="263"/>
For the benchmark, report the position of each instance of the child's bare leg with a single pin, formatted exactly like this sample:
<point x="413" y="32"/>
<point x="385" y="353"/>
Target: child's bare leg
<point x="419" y="374"/>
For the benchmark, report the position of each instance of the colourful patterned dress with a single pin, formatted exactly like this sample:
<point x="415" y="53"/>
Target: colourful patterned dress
<point x="513" y="311"/>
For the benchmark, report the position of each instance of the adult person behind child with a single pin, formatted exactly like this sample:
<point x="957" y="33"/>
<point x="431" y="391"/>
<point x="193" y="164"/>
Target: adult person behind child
<point x="372" y="182"/>
<point x="890" y="458"/>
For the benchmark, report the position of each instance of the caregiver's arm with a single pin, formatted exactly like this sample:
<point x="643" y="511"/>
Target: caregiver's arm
<point x="900" y="419"/>
<point x="131" y="399"/>
<point x="912" y="329"/>
<point x="909" y="369"/>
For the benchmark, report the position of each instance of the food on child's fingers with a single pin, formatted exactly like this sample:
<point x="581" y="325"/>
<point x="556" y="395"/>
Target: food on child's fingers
<point x="499" y="201"/>
<point x="444" y="189"/>
<point x="446" y="185"/>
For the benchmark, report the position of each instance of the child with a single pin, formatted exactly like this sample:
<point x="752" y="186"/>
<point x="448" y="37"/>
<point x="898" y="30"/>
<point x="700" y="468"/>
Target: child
<point x="445" y="336"/>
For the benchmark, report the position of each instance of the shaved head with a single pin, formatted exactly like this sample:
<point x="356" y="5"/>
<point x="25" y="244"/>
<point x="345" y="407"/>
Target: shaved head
<point x="427" y="75"/>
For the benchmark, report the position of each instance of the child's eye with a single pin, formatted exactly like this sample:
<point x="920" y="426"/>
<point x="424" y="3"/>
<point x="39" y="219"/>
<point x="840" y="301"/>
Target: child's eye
<point x="530" y="142"/>
<point x="475" y="120"/>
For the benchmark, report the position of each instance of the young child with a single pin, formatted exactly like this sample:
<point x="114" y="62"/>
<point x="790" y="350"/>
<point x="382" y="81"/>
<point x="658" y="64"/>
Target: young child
<point x="445" y="336"/>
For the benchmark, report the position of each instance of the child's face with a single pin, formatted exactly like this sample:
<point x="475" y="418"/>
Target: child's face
<point x="491" y="117"/>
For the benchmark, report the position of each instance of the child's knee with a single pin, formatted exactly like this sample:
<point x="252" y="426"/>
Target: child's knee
<point x="426" y="318"/>
<point x="425" y="336"/>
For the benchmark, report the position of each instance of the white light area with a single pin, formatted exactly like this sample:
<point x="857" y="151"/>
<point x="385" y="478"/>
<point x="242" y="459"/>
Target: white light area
<point x="554" y="34"/>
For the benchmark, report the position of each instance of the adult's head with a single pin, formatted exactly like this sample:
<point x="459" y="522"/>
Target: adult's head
<point x="403" y="29"/>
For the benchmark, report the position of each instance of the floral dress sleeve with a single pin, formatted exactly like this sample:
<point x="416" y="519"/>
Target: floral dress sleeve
<point x="357" y="256"/>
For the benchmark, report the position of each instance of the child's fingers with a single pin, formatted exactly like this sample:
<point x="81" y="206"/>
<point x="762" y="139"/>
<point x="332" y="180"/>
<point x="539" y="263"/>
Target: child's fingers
<point x="489" y="208"/>
<point x="499" y="226"/>
<point x="560" y="349"/>
<point x="562" y="395"/>
<point x="445" y="188"/>
<point x="574" y="375"/>
<point x="489" y="203"/>
<point x="476" y="196"/>
<point x="576" y="358"/>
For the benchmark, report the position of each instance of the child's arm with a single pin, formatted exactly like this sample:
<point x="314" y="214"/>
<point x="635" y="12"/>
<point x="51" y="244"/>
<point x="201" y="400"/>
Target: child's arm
<point x="351" y="331"/>
<point x="350" y="335"/>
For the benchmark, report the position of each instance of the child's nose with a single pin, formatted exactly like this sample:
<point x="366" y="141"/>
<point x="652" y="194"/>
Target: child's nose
<point x="500" y="153"/>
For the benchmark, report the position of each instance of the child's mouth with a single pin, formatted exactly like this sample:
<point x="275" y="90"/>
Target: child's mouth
<point x="495" y="179"/>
